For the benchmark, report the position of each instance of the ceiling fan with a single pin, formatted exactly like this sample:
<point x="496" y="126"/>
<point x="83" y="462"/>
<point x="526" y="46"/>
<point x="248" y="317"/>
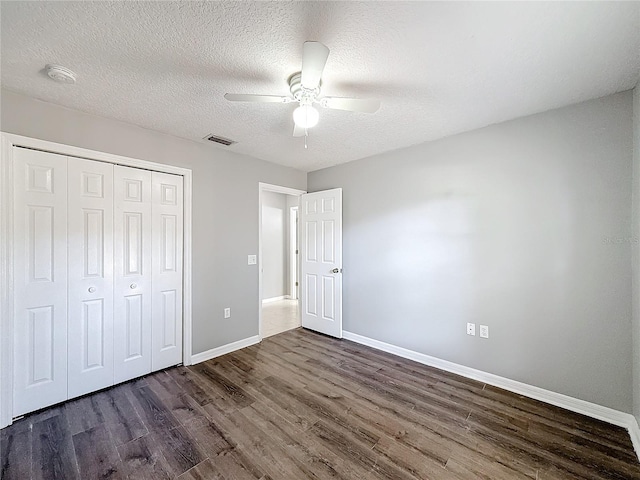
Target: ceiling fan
<point x="305" y="90"/>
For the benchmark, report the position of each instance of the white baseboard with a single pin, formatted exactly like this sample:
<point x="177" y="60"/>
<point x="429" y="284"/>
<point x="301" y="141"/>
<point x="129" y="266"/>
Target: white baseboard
<point x="593" y="410"/>
<point x="275" y="299"/>
<point x="634" y="433"/>
<point x="224" y="349"/>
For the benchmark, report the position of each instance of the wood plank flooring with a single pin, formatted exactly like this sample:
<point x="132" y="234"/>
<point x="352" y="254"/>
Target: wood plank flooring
<point x="301" y="405"/>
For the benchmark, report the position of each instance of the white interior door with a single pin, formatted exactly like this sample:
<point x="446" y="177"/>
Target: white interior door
<point x="321" y="265"/>
<point x="167" y="241"/>
<point x="132" y="283"/>
<point x="90" y="328"/>
<point x="40" y="280"/>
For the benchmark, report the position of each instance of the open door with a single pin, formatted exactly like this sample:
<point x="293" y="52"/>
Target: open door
<point x="321" y="262"/>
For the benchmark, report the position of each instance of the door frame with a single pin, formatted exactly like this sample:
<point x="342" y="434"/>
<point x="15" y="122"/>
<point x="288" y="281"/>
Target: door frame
<point x="7" y="142"/>
<point x="294" y="245"/>
<point x="267" y="187"/>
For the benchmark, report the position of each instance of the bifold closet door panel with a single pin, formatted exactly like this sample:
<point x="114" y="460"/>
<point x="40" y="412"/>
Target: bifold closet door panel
<point x="132" y="293"/>
<point x="40" y="280"/>
<point x="90" y="332"/>
<point x="167" y="242"/>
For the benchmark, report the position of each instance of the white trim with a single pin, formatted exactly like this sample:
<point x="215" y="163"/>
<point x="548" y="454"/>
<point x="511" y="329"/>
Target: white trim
<point x="224" y="349"/>
<point x="8" y="141"/>
<point x="634" y="433"/>
<point x="293" y="252"/>
<point x="62" y="149"/>
<point x="583" y="407"/>
<point x="6" y="282"/>
<point x="187" y="327"/>
<point x="275" y="299"/>
<point x="267" y="187"/>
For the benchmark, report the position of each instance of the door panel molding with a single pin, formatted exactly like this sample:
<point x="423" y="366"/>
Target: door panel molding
<point x="166" y="245"/>
<point x="41" y="310"/>
<point x="322" y="261"/>
<point x="39" y="181"/>
<point x="90" y="292"/>
<point x="133" y="275"/>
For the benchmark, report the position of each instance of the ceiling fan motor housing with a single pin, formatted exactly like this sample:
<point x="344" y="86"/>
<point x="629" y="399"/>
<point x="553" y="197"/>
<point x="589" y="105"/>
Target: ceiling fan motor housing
<point x="300" y="93"/>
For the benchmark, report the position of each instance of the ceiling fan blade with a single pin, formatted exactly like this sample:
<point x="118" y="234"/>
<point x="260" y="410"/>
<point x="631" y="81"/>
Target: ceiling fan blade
<point x="242" y="97"/>
<point x="314" y="58"/>
<point x="351" y="104"/>
<point x="298" y="131"/>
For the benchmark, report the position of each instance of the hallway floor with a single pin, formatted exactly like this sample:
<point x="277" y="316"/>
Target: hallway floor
<point x="279" y="316"/>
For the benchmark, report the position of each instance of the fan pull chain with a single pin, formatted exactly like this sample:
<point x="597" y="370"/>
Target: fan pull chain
<point x="306" y="134"/>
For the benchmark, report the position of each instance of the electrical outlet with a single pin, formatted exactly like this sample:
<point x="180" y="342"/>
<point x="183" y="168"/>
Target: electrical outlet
<point x="484" y="331"/>
<point x="227" y="312"/>
<point x="471" y="328"/>
<point x="252" y="259"/>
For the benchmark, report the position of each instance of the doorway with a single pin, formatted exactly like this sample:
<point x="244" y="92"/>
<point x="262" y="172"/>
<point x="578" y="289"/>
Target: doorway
<point x="278" y="259"/>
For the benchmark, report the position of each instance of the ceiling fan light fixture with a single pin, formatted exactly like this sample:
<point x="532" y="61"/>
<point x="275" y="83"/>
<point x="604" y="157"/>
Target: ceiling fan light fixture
<point x="305" y="116"/>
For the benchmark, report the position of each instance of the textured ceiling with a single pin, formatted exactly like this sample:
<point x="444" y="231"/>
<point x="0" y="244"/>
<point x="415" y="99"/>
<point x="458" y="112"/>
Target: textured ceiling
<point x="438" y="68"/>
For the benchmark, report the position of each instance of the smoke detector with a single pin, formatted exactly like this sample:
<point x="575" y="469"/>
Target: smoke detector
<point x="60" y="74"/>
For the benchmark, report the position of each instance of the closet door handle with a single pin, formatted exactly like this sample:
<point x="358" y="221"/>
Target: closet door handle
<point x="132" y="286"/>
<point x="92" y="289"/>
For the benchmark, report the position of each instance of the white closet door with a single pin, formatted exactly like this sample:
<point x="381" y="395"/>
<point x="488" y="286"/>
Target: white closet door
<point x="132" y="294"/>
<point x="90" y="332"/>
<point x="40" y="269"/>
<point x="167" y="195"/>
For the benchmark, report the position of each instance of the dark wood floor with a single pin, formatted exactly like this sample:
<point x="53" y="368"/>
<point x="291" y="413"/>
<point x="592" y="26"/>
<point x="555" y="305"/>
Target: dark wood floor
<point x="301" y="405"/>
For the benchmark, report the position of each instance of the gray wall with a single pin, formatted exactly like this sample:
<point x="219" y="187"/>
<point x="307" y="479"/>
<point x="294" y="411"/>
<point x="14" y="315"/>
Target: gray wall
<point x="274" y="245"/>
<point x="521" y="226"/>
<point x="636" y="252"/>
<point x="225" y="205"/>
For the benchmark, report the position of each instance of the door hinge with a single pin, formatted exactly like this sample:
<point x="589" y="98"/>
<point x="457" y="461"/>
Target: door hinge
<point x="296" y="252"/>
<point x="296" y="284"/>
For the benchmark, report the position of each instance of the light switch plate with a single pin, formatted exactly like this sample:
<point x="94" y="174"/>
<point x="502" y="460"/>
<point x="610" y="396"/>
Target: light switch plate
<point x="252" y="259"/>
<point x="227" y="312"/>
<point x="471" y="328"/>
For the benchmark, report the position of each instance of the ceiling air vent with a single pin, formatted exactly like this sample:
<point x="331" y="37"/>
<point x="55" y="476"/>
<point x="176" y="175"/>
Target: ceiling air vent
<point x="221" y="140"/>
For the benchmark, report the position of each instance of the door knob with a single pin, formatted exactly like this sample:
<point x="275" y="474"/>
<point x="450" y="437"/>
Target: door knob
<point x="132" y="286"/>
<point x="335" y="270"/>
<point x="92" y="289"/>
